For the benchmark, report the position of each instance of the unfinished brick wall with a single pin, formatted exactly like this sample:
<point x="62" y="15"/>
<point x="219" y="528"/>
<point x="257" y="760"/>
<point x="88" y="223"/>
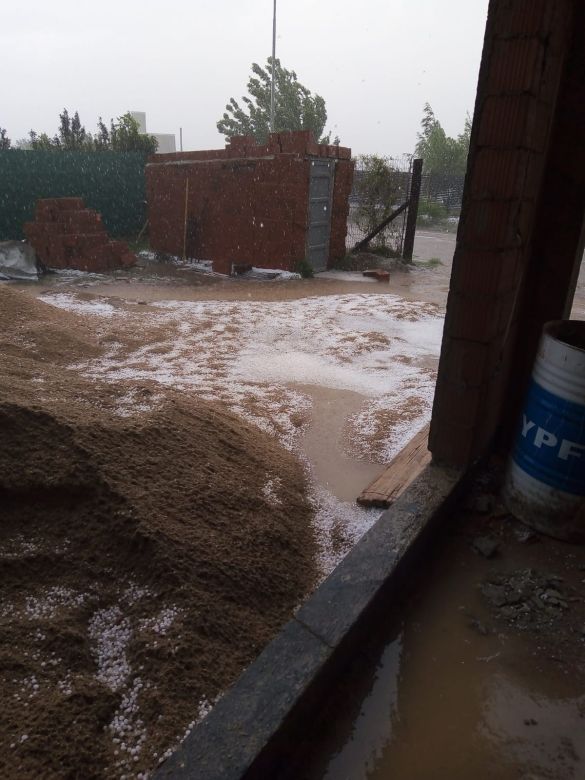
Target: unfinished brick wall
<point x="245" y="204"/>
<point x="524" y="54"/>
<point x="67" y="235"/>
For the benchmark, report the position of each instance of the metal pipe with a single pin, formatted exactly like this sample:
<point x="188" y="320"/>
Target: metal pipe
<point x="272" y="78"/>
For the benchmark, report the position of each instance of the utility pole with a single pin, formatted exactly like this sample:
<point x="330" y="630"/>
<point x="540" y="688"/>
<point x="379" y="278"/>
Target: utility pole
<point x="273" y="58"/>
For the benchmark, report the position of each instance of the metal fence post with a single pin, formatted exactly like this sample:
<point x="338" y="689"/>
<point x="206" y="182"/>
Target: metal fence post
<point x="415" y="184"/>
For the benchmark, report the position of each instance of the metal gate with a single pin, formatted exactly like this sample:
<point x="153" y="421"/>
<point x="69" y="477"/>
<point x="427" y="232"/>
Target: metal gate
<point x="320" y="196"/>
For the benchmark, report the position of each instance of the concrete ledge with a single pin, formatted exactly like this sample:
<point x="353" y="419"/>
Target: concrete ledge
<point x="247" y="732"/>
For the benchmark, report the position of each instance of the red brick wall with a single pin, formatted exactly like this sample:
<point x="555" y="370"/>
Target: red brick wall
<point x="246" y="204"/>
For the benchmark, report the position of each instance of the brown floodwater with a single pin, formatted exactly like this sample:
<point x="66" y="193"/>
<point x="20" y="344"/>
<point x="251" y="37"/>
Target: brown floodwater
<point x="323" y="442"/>
<point x="442" y="701"/>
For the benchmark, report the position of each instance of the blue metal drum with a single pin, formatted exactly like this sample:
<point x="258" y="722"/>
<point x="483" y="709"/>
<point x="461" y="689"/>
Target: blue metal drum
<point x="545" y="481"/>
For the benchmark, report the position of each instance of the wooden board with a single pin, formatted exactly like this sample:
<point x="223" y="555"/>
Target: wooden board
<point x="399" y="473"/>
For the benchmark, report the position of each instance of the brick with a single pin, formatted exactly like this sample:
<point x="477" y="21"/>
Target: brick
<point x="515" y="66"/>
<point x="46" y="211"/>
<point x="514" y="18"/>
<point x="514" y="121"/>
<point x="487" y="273"/>
<point x="463" y="361"/>
<point x="69" y="204"/>
<point x="480" y="319"/>
<point x="474" y="318"/>
<point x="499" y="173"/>
<point x="491" y="224"/>
<point x="298" y="142"/>
<point x="449" y="442"/>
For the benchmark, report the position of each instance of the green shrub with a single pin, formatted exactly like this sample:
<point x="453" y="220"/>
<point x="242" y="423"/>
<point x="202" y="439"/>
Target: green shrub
<point x="305" y="269"/>
<point x="431" y="211"/>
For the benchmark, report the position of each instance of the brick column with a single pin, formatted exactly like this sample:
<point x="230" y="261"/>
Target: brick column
<point x="525" y="48"/>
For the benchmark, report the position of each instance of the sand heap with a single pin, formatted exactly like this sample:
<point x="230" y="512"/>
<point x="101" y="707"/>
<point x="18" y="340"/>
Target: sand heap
<point x="150" y="546"/>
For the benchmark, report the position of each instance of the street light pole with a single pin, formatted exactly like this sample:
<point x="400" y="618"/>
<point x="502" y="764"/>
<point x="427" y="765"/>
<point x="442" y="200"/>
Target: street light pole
<point x="273" y="58"/>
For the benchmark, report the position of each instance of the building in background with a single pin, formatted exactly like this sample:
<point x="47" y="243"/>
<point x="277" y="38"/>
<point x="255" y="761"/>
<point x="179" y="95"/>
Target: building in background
<point x="166" y="141"/>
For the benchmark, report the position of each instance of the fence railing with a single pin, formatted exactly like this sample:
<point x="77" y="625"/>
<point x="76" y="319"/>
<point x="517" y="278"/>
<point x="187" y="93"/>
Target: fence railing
<point x="381" y="185"/>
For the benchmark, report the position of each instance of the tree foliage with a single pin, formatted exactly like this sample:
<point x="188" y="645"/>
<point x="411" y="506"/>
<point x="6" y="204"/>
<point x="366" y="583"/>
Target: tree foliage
<point x="440" y="152"/>
<point x="5" y="142"/>
<point x="295" y="107"/>
<point x="379" y="188"/>
<point x="123" y="135"/>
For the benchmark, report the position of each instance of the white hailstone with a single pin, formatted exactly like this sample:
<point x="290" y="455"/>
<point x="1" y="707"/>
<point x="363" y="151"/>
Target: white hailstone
<point x="111" y="633"/>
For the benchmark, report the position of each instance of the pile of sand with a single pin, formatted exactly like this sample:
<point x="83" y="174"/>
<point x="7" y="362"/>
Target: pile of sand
<point x="150" y="545"/>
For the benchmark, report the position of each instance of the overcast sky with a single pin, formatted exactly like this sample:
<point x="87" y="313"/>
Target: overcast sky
<point x="375" y="62"/>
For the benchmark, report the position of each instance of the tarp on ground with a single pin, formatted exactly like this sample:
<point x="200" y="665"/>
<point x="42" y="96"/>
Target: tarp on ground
<point x="19" y="261"/>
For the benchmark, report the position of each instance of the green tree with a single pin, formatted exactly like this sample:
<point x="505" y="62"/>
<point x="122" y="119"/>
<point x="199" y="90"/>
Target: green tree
<point x="379" y="188"/>
<point x="440" y="152"/>
<point x="42" y="142"/>
<point x="295" y="107"/>
<point x="101" y="139"/>
<point x="72" y="135"/>
<point x="123" y="136"/>
<point x="5" y="142"/>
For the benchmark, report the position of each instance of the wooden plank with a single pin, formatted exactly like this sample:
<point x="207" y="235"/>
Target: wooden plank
<point x="399" y="473"/>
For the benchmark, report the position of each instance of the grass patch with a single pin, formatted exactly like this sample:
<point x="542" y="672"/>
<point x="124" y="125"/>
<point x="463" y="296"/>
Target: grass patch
<point x="432" y="262"/>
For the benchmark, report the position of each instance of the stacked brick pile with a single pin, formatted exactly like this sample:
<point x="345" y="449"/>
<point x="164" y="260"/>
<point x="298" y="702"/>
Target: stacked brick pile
<point x="67" y="235"/>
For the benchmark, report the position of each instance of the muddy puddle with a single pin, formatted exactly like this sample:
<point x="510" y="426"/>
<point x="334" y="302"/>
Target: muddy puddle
<point x="324" y="446"/>
<point x="457" y="693"/>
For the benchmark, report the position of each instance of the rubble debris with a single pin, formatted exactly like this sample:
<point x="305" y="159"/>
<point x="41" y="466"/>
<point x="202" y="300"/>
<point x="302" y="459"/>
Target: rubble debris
<point x="485" y="545"/>
<point x="527" y="598"/>
<point x="483" y="503"/>
<point x="524" y="534"/>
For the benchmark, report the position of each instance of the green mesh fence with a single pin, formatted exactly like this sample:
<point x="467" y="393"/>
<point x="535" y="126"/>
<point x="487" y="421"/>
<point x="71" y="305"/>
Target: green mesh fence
<point x="110" y="182"/>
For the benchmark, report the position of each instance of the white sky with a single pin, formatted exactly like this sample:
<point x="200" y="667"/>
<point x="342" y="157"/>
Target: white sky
<point x="375" y="62"/>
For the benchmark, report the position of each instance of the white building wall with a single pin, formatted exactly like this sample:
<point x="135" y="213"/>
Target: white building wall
<point x="166" y="141"/>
